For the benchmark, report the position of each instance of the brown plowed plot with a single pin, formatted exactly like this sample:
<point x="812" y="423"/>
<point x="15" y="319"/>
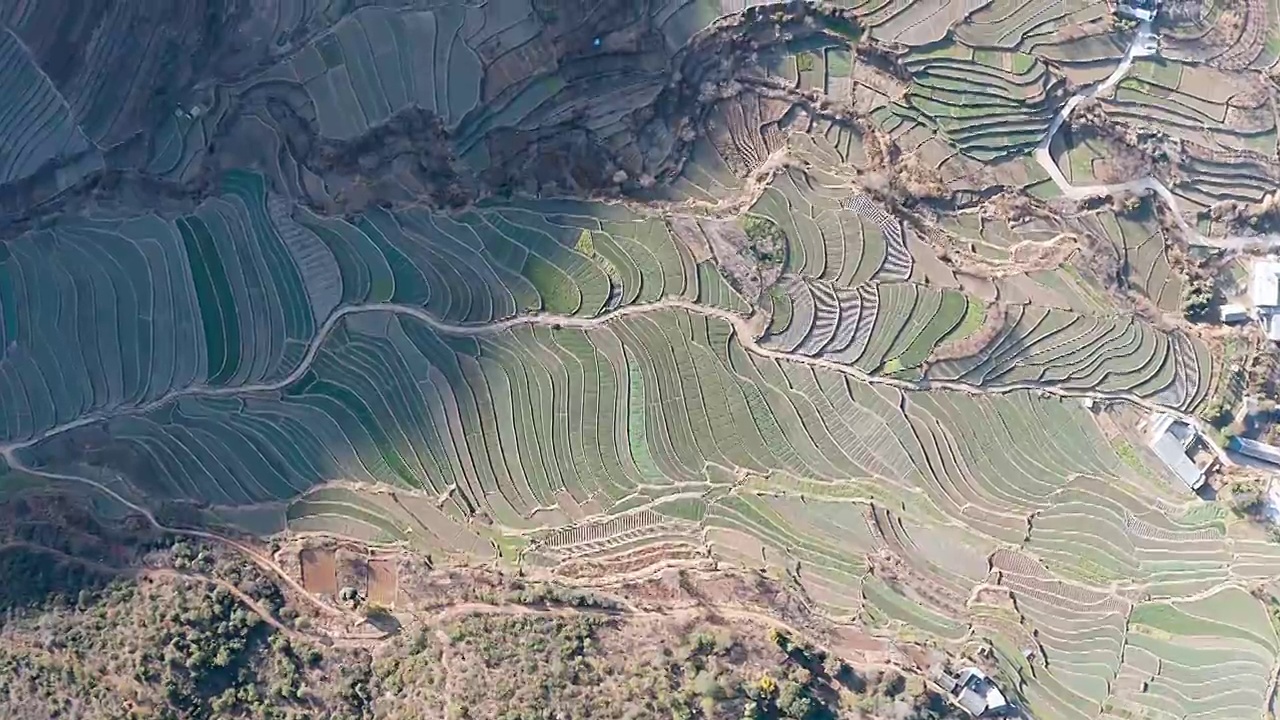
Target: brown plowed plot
<point x="319" y="571"/>
<point x="383" y="581"/>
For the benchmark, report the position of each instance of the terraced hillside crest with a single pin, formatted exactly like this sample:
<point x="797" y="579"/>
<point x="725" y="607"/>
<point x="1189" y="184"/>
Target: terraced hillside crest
<point x="870" y="296"/>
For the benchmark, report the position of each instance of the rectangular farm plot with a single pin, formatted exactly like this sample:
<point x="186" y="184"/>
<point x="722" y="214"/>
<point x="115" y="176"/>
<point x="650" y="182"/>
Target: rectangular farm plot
<point x="352" y="569"/>
<point x="319" y="571"/>
<point x="383" y="581"/>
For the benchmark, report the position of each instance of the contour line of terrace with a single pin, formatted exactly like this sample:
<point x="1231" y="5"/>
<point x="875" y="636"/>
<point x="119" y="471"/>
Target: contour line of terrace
<point x="743" y="326"/>
<point x="746" y="329"/>
<point x="1145" y="43"/>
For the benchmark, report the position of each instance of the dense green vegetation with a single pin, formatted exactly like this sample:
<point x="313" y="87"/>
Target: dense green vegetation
<point x="766" y="241"/>
<point x="167" y="649"/>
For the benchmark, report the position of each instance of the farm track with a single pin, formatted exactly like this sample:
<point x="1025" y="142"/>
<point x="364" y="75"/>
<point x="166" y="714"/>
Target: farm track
<point x="1145" y="44"/>
<point x="437" y="619"/>
<point x="344" y="640"/>
<point x="261" y="560"/>
<point x="434" y="619"/>
<point x="747" y="329"/>
<point x="332" y="640"/>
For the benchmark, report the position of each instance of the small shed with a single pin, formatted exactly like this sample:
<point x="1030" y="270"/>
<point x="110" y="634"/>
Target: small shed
<point x="1256" y="450"/>
<point x="1233" y="313"/>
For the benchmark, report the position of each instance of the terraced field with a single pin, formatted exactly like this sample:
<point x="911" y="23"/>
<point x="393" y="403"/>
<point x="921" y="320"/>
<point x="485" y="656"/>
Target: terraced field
<point x="598" y="289"/>
<point x="1109" y="355"/>
<point x="1224" y="176"/>
<point x="1141" y="248"/>
<point x="669" y="405"/>
<point x="1232" y="36"/>
<point x="248" y="287"/>
<point x="40" y="125"/>
<point x="988" y="103"/>
<point x="657" y="430"/>
<point x="1198" y="104"/>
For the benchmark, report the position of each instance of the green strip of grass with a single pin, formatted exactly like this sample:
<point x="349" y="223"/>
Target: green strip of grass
<point x="975" y="314"/>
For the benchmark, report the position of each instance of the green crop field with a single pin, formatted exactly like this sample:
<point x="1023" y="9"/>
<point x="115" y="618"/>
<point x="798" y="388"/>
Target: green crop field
<point x="802" y="289"/>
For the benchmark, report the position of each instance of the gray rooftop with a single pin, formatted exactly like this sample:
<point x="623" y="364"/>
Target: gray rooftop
<point x="1172" y="453"/>
<point x="975" y="703"/>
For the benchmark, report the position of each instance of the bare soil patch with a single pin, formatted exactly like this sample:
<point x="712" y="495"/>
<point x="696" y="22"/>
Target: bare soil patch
<point x="383" y="581"/>
<point x="319" y="570"/>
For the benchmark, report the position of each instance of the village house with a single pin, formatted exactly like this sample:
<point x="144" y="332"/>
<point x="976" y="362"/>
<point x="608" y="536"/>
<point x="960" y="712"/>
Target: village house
<point x="1174" y="442"/>
<point x="1264" y="285"/>
<point x="1233" y="313"/>
<point x="1258" y="454"/>
<point x="1264" y="294"/>
<point x="1255" y="449"/>
<point x="978" y="694"/>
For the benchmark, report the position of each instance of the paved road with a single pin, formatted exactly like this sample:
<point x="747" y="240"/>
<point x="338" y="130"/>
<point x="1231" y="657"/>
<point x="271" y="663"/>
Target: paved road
<point x="1145" y="44"/>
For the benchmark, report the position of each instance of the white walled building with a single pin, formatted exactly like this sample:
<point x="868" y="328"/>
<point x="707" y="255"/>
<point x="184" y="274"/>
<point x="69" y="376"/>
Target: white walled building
<point x="1264" y="284"/>
<point x="1264" y="294"/>
<point x="1140" y="10"/>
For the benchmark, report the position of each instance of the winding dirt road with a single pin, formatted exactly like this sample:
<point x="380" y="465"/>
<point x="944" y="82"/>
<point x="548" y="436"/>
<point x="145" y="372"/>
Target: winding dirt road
<point x="1145" y="44"/>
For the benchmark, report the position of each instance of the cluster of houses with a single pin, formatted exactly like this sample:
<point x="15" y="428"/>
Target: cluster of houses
<point x="1177" y="444"/>
<point x="1261" y="455"/>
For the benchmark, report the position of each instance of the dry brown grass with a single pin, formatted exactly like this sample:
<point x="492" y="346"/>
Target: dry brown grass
<point x="382" y="581"/>
<point x="917" y="180"/>
<point x="223" y="640"/>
